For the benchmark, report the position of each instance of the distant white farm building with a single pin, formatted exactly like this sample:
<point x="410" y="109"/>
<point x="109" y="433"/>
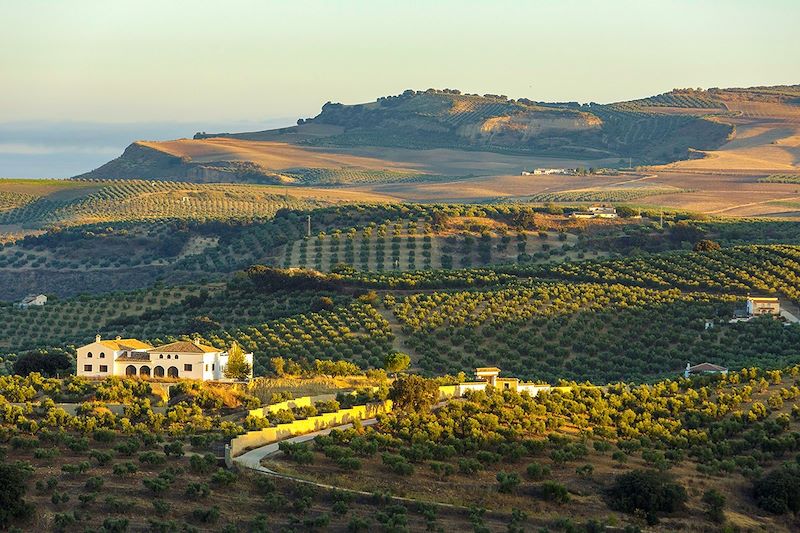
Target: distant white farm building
<point x="489" y="376"/>
<point x="32" y="299"/>
<point x="703" y="368"/>
<point x="595" y="212"/>
<point x="543" y="171"/>
<point x="763" y="306"/>
<point x="759" y="306"/>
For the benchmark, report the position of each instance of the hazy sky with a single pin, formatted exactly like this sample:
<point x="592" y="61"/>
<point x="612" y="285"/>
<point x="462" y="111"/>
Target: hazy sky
<point x="176" y="60"/>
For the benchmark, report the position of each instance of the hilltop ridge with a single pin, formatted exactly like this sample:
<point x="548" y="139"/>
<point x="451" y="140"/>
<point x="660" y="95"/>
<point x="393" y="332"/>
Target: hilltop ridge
<point x="359" y="143"/>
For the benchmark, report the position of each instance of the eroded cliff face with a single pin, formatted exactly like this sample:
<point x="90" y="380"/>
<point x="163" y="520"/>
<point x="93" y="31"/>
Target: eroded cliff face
<point x="524" y="126"/>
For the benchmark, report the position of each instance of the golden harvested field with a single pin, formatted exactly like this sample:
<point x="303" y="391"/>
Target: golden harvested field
<point x="452" y="162"/>
<point x="44" y="187"/>
<point x="724" y="181"/>
<point x="757" y="147"/>
<point x="268" y="154"/>
<point x="767" y="137"/>
<point x="483" y="188"/>
<point x="273" y="155"/>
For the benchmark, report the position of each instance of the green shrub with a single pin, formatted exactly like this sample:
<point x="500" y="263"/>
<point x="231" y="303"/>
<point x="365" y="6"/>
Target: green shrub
<point x="223" y="477"/>
<point x="174" y="448"/>
<point x="778" y="491"/>
<point x="469" y="466"/>
<point x="157" y="485"/>
<point x="94" y="483"/>
<point x="554" y="492"/>
<point x="197" y="490"/>
<point x="206" y="515"/>
<point x="537" y="471"/>
<point x="507" y="481"/>
<point x="152" y="458"/>
<point x="104" y="435"/>
<point x="13" y="487"/>
<point x="102" y="458"/>
<point x="648" y="491"/>
<point x="715" y="505"/>
<point x="202" y="464"/>
<point x="123" y="469"/>
<point x="161" y="507"/>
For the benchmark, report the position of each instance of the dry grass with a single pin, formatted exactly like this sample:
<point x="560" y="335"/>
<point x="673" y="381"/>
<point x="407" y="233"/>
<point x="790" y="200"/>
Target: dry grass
<point x="767" y="137"/>
<point x="270" y="155"/>
<point x="264" y="387"/>
<point x="43" y="187"/>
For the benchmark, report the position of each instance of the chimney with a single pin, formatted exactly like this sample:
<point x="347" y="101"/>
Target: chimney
<point x="97" y="338"/>
<point x="119" y="338"/>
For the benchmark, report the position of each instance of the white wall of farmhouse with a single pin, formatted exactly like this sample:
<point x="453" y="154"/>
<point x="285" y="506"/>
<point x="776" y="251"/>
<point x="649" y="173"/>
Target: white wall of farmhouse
<point x="129" y="357"/>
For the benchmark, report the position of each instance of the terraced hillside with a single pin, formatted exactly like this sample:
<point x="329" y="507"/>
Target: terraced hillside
<point x="114" y="201"/>
<point x="413" y="244"/>
<point x="216" y="234"/>
<point x="347" y="144"/>
<point x="449" y="119"/>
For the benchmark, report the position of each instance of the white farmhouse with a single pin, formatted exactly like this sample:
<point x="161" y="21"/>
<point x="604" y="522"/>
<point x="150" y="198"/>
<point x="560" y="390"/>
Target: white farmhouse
<point x="132" y="357"/>
<point x="489" y="377"/>
<point x="763" y="306"/>
<point x="703" y="368"/>
<point x="32" y="299"/>
<point x="596" y="212"/>
<point x="603" y="212"/>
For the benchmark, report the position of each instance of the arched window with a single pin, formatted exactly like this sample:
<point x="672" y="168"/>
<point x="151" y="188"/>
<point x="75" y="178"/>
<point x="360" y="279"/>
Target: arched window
<point x="161" y="356"/>
<point x="102" y="355"/>
<point x="176" y="356"/>
<point x="169" y="356"/>
<point x="144" y="371"/>
<point x="89" y="355"/>
<point x="130" y="370"/>
<point x="172" y="372"/>
<point x="158" y="372"/>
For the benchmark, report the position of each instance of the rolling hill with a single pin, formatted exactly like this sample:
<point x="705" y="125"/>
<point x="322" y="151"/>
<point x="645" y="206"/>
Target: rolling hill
<point x="380" y="141"/>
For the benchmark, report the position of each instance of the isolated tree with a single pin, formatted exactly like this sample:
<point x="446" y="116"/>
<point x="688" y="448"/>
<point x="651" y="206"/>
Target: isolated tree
<point x="237" y="367"/>
<point x="524" y="219"/>
<point x="715" y="505"/>
<point x="323" y="303"/>
<point x="439" y="220"/>
<point x="396" y="362"/>
<point x="413" y="393"/>
<point x="648" y="491"/>
<point x="48" y="364"/>
<point x="706" y="245"/>
<point x="203" y="324"/>
<point x="278" y="365"/>
<point x="13" y="485"/>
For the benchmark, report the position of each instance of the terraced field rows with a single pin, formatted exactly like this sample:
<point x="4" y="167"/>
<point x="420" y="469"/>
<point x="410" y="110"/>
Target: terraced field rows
<point x="412" y="245"/>
<point x="13" y="200"/>
<point x="360" y="176"/>
<point x="81" y="316"/>
<point x="768" y="269"/>
<point x="140" y="200"/>
<point x="621" y="194"/>
<point x="781" y="178"/>
<point x="574" y="331"/>
<point x="688" y="99"/>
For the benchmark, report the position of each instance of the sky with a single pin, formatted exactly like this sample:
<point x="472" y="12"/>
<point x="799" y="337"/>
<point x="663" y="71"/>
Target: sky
<point x="155" y="64"/>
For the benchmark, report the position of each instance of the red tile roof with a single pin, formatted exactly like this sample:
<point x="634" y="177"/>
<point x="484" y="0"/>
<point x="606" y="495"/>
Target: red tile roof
<point x="707" y="367"/>
<point x="184" y="347"/>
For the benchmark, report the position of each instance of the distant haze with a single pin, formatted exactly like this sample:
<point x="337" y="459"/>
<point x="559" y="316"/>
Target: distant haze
<point x="151" y="60"/>
<point x="39" y="149"/>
